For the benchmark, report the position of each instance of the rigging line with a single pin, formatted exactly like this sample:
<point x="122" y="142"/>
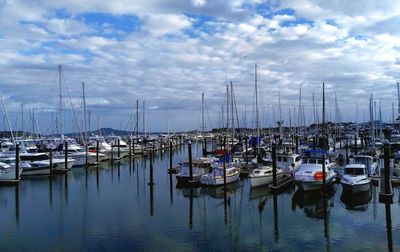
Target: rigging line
<point x="42" y="114"/>
<point x="208" y="114"/>
<point x="234" y="103"/>
<point x="129" y="122"/>
<point x="72" y="106"/>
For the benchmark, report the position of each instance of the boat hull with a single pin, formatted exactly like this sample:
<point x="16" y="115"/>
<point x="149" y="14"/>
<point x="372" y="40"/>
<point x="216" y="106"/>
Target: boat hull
<point x="212" y="181"/>
<point x="355" y="188"/>
<point x="312" y="185"/>
<point x="257" y="181"/>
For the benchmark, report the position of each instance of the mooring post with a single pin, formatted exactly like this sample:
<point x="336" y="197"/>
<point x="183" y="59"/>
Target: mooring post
<point x="246" y="151"/>
<point x="204" y="147"/>
<point x="386" y="194"/>
<point x="151" y="170"/>
<point x="225" y="149"/>
<point x="66" y="155"/>
<point x="86" y="156"/>
<point x="190" y="161"/>
<point x="112" y="152"/>
<point x="118" y="150"/>
<point x="170" y="156"/>
<point x="274" y="164"/>
<point x="130" y="148"/>
<point x="51" y="161"/>
<point x="323" y="172"/>
<point x="17" y="162"/>
<point x="355" y="144"/>
<point x="314" y="142"/>
<point x="97" y="151"/>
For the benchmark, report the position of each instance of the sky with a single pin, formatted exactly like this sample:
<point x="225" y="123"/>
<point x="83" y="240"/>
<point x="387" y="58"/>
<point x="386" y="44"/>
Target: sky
<point x="167" y="52"/>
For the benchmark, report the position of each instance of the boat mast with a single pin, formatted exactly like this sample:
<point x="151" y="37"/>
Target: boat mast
<point x="227" y="109"/>
<point x="137" y="120"/>
<point x="84" y="111"/>
<point x="256" y="94"/>
<point x="22" y="121"/>
<point x="371" y="116"/>
<point x="144" y="120"/>
<point x="323" y="108"/>
<point x="202" y="114"/>
<point x="398" y="97"/>
<point x="60" y="117"/>
<point x="232" y="117"/>
<point x="7" y="118"/>
<point x="299" y="116"/>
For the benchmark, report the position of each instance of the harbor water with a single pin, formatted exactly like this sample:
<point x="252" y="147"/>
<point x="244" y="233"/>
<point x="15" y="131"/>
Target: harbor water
<point x="115" y="207"/>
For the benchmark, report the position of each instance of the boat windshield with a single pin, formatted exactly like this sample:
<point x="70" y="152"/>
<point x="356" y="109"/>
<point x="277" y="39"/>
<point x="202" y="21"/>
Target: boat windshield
<point x="360" y="160"/>
<point x="354" y="171"/>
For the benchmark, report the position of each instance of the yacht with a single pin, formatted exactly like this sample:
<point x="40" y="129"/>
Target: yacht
<point x="200" y="166"/>
<point x="263" y="174"/>
<point x="40" y="163"/>
<point x="289" y="163"/>
<point x="78" y="154"/>
<point x="355" y="178"/>
<point x="310" y="176"/>
<point x="215" y="176"/>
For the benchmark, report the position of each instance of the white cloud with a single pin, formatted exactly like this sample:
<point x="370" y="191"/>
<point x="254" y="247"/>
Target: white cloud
<point x="162" y="24"/>
<point x="183" y="48"/>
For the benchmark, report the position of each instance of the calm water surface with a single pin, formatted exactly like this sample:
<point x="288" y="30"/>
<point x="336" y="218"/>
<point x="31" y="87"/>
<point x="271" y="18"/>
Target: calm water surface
<point x="114" y="208"/>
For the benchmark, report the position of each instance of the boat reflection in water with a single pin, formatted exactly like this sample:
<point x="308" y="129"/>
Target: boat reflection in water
<point x="313" y="202"/>
<point x="356" y="201"/>
<point x="218" y="192"/>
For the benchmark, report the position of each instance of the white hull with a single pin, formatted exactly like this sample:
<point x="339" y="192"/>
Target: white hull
<point x="215" y="181"/>
<point x="355" y="188"/>
<point x="29" y="171"/>
<point x="9" y="175"/>
<point x="312" y="185"/>
<point x="263" y="179"/>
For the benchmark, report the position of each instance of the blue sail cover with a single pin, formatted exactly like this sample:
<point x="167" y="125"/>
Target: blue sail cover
<point x="227" y="158"/>
<point x="255" y="139"/>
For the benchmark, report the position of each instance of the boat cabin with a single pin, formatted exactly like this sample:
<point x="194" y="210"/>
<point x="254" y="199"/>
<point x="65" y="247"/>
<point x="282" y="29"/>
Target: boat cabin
<point x="288" y="162"/>
<point x="355" y="170"/>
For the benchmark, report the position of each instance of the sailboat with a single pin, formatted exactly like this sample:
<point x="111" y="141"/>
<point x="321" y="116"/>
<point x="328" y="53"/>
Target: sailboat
<point x="310" y="175"/>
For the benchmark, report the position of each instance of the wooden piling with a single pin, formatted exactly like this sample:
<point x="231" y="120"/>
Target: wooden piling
<point x="66" y="155"/>
<point x="51" y="161"/>
<point x="323" y="172"/>
<point x="97" y="151"/>
<point x="17" y="162"/>
<point x="86" y="156"/>
<point x="386" y="195"/>
<point x="151" y="171"/>
<point x="118" y="149"/>
<point x="274" y="164"/>
<point x="355" y="144"/>
<point x="190" y="161"/>
<point x="170" y="156"/>
<point x="225" y="149"/>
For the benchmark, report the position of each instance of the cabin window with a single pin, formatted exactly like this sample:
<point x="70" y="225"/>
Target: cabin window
<point x="284" y="159"/>
<point x="297" y="159"/>
<point x="319" y="161"/>
<point x="354" y="171"/>
<point x="279" y="159"/>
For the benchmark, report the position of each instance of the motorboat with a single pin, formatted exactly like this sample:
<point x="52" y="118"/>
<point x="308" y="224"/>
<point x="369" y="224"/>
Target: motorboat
<point x="215" y="176"/>
<point x="263" y="174"/>
<point x="310" y="174"/>
<point x="355" y="178"/>
<point x="200" y="166"/>
<point x="288" y="162"/>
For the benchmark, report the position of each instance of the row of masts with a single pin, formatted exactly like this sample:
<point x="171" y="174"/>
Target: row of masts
<point x="231" y="111"/>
